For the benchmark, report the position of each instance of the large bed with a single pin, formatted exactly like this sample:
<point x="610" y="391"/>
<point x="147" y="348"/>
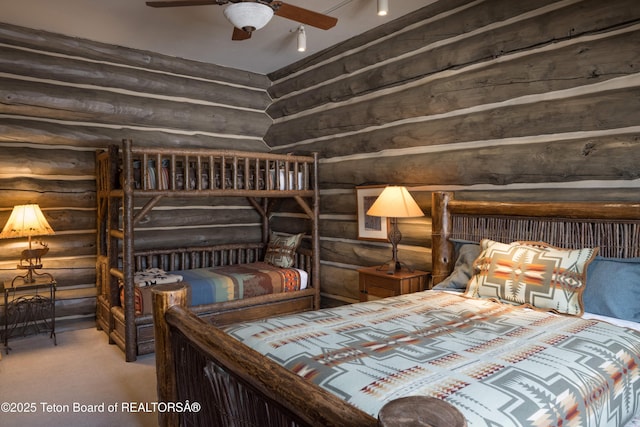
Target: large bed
<point x="533" y="321"/>
<point x="229" y="280"/>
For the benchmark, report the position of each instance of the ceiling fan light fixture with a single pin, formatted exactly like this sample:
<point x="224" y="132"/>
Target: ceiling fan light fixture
<point x="383" y="7"/>
<point x="248" y="16"/>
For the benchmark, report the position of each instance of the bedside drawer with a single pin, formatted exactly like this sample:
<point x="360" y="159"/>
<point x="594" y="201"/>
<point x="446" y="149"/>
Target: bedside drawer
<point x="376" y="283"/>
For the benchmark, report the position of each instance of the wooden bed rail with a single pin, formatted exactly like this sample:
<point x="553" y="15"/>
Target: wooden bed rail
<point x="198" y="257"/>
<point x="189" y="171"/>
<point x="229" y="381"/>
<point x="211" y="256"/>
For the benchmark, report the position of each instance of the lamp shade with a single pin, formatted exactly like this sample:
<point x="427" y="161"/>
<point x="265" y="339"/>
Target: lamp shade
<point x="395" y="202"/>
<point x="26" y="221"/>
<point x="248" y="16"/>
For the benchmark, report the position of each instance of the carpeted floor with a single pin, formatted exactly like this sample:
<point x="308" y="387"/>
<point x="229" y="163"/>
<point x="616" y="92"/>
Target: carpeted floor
<point x="52" y="382"/>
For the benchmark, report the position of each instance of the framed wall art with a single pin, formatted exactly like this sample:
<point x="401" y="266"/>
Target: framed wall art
<point x="370" y="227"/>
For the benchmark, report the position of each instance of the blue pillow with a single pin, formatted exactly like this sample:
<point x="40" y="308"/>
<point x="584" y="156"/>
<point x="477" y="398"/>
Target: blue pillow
<point x="462" y="270"/>
<point x="613" y="288"/>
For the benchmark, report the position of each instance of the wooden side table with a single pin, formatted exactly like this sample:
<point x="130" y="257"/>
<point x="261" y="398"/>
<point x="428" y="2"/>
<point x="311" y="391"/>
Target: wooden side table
<point x="29" y="306"/>
<point x="377" y="283"/>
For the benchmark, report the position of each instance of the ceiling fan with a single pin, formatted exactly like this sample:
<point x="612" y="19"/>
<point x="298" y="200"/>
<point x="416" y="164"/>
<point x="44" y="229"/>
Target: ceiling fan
<point x="251" y="15"/>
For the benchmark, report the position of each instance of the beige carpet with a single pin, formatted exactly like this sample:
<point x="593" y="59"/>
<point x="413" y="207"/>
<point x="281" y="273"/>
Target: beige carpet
<point x="83" y="369"/>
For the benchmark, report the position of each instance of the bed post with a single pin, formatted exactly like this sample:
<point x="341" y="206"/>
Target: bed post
<point x="441" y="248"/>
<point x="165" y="297"/>
<point x="315" y="236"/>
<point x="127" y="254"/>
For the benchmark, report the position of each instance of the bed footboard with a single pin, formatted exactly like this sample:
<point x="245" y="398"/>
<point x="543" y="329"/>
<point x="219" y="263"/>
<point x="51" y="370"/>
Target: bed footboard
<point x="232" y="384"/>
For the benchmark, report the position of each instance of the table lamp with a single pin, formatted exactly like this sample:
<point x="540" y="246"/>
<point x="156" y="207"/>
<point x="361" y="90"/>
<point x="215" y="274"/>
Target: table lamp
<point x="395" y="202"/>
<point x="28" y="220"/>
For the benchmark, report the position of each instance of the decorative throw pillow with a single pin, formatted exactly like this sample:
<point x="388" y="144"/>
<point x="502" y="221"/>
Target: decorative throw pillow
<point x="531" y="273"/>
<point x="463" y="269"/>
<point x="281" y="250"/>
<point x="613" y="288"/>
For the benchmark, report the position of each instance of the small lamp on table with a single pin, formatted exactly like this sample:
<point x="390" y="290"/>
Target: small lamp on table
<point x="27" y="221"/>
<point x="395" y="202"/>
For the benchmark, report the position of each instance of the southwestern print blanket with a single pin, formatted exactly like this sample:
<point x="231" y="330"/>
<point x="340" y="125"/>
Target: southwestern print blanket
<point x="500" y="365"/>
<point x="232" y="282"/>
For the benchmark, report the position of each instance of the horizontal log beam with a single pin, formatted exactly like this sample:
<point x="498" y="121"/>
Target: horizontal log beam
<point x="412" y="62"/>
<point x="390" y="58"/>
<point x="308" y="71"/>
<point x="77" y="104"/>
<point x="198" y="236"/>
<point x="193" y="217"/>
<point x="603" y="158"/>
<point x="367" y="254"/>
<point x="577" y="64"/>
<point x="52" y="42"/>
<point x="81" y="72"/>
<point x="46" y="162"/>
<point x="96" y="135"/>
<point x="610" y="109"/>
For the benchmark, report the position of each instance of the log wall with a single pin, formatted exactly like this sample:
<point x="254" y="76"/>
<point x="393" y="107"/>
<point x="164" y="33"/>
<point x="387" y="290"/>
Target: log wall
<point x="516" y="100"/>
<point x="63" y="98"/>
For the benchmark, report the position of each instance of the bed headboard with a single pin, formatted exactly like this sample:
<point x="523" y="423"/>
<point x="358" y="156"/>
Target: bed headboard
<point x="612" y="226"/>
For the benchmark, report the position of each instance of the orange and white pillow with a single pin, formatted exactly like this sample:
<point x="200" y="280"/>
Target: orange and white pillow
<point x="531" y="273"/>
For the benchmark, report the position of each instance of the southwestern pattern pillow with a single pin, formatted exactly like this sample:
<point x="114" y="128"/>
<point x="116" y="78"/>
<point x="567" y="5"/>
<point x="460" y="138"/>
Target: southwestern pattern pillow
<point x="281" y="250"/>
<point x="531" y="273"/>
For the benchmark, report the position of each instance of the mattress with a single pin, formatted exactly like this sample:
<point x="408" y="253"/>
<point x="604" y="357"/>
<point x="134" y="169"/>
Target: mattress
<point x="500" y="365"/>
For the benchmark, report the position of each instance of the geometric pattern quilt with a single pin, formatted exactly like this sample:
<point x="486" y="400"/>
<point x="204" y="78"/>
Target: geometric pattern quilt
<point x="531" y="273"/>
<point x="499" y="364"/>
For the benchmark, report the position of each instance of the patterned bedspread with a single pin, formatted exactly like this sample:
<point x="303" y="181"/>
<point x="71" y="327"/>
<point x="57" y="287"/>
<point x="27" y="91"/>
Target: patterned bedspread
<point x="209" y="285"/>
<point x="499" y="365"/>
<point x="231" y="282"/>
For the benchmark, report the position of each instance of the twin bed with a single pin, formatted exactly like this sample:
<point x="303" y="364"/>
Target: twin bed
<point x="228" y="280"/>
<point x="516" y="333"/>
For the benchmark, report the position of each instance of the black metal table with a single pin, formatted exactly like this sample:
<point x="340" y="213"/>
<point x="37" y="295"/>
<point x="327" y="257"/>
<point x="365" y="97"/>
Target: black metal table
<point x="29" y="307"/>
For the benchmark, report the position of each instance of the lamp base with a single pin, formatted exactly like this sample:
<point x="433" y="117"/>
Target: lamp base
<point x="394" y="266"/>
<point x="31" y="270"/>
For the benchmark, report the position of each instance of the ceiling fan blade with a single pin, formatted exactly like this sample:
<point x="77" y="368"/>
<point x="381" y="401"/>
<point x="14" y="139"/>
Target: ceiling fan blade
<point x="304" y="16"/>
<point x="240" y="34"/>
<point x="177" y="3"/>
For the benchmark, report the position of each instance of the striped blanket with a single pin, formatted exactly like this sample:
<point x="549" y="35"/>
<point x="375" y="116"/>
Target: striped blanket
<point x="500" y="365"/>
<point x="232" y="282"/>
<point x="218" y="284"/>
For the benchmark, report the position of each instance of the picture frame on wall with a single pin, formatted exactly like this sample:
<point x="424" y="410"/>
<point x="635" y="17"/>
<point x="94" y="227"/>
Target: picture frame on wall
<point x="370" y="227"/>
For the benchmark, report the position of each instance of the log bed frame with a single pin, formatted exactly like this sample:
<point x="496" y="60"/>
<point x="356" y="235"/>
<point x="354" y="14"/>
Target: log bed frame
<point x="246" y="388"/>
<point x="240" y="174"/>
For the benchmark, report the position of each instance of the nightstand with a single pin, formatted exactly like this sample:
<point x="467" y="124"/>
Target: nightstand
<point x="29" y="307"/>
<point x="377" y="283"/>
